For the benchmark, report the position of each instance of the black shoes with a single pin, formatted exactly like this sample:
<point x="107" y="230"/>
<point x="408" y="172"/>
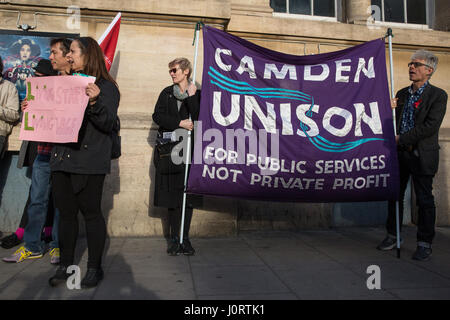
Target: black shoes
<point x="422" y="254"/>
<point x="388" y="243"/>
<point x="188" y="250"/>
<point x="92" y="278"/>
<point x="175" y="248"/>
<point x="10" y="241"/>
<point x="60" y="276"/>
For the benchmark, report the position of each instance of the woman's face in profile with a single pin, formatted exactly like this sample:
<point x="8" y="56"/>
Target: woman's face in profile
<point x="75" y="57"/>
<point x="25" y="52"/>
<point x="177" y="74"/>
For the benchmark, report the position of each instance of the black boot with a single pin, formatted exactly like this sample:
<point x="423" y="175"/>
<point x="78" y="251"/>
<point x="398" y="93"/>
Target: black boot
<point x="174" y="249"/>
<point x="188" y="250"/>
<point x="92" y="278"/>
<point x="60" y="276"/>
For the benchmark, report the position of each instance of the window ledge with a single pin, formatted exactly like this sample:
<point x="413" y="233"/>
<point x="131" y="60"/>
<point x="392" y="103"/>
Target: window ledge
<point x="414" y="26"/>
<point x="303" y="17"/>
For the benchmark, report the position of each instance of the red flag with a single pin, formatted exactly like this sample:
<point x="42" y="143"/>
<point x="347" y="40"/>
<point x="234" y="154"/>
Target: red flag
<point x="108" y="40"/>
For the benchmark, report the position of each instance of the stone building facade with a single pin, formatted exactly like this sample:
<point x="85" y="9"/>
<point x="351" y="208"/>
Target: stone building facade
<point x="153" y="32"/>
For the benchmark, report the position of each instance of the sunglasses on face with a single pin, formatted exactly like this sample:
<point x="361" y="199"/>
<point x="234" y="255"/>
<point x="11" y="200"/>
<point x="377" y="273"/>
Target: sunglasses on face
<point x="417" y="64"/>
<point x="174" y="70"/>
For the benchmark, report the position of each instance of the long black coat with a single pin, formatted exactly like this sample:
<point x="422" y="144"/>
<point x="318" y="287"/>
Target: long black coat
<point x="424" y="136"/>
<point x="92" y="153"/>
<point x="169" y="187"/>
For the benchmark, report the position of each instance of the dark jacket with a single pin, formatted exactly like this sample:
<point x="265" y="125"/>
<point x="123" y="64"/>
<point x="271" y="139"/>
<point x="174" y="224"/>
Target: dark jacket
<point x="424" y="136"/>
<point x="92" y="153"/>
<point x="169" y="187"/>
<point x="27" y="154"/>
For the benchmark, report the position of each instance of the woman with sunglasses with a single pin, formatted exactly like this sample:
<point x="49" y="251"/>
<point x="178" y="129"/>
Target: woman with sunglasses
<point x="177" y="107"/>
<point x="79" y="169"/>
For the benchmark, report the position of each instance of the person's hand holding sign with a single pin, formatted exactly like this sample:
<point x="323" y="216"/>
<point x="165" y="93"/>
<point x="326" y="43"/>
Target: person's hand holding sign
<point x="24" y="104"/>
<point x="186" y="124"/>
<point x="93" y="91"/>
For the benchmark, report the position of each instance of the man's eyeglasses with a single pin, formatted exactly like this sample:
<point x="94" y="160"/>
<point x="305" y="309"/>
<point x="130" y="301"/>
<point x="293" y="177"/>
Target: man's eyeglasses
<point x="417" y="64"/>
<point x="174" y="70"/>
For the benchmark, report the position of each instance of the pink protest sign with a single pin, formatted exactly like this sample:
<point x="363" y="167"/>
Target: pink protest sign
<point x="55" y="109"/>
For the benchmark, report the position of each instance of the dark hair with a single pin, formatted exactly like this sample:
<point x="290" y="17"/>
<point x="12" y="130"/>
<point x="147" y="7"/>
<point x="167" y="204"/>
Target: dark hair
<point x="64" y="44"/>
<point x="94" y="60"/>
<point x="16" y="46"/>
<point x="1" y="66"/>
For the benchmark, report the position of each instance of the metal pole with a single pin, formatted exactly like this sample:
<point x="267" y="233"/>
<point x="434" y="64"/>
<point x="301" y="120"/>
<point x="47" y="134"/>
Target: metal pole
<point x="391" y="64"/>
<point x="188" y="148"/>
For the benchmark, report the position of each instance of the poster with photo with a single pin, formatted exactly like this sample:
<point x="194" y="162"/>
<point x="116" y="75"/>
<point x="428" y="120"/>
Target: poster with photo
<point x="21" y="52"/>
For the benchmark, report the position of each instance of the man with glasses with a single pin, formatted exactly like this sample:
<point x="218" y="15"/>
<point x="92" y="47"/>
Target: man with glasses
<point x="419" y="109"/>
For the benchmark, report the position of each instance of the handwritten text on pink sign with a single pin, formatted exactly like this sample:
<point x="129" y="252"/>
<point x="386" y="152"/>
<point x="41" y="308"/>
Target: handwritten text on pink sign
<point x="56" y="107"/>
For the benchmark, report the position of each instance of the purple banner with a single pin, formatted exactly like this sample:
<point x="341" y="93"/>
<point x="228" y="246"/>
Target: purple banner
<point x="280" y="127"/>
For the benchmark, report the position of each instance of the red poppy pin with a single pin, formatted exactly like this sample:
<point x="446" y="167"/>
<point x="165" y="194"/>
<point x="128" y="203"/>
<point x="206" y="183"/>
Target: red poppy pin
<point x="417" y="103"/>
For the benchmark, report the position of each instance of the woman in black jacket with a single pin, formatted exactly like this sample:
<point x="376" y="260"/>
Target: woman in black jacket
<point x="79" y="169"/>
<point x="175" y="105"/>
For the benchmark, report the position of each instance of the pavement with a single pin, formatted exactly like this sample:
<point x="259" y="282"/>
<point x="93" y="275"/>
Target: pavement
<point x="316" y="264"/>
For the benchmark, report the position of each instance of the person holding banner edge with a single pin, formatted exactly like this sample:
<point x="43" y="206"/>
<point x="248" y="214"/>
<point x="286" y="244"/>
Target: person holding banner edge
<point x="420" y="110"/>
<point x="79" y="169"/>
<point x="173" y="108"/>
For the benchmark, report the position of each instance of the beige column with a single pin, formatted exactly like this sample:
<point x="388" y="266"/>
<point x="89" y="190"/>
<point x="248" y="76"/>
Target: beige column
<point x="442" y="15"/>
<point x="357" y="11"/>
<point x="251" y="7"/>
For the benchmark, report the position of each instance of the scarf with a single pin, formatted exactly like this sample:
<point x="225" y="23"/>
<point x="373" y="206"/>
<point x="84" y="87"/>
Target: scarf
<point x="178" y="94"/>
<point x="408" y="122"/>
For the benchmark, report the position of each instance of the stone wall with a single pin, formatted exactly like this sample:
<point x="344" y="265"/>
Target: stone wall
<point x="154" y="32"/>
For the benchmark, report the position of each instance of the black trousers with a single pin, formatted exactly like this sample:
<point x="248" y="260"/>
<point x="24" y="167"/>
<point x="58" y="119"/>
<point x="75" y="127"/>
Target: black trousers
<point x="175" y="222"/>
<point x="423" y="188"/>
<point x="73" y="193"/>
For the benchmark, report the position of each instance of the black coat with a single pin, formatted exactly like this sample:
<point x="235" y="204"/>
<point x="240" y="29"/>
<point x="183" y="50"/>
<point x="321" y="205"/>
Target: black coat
<point x="424" y="136"/>
<point x="92" y="153"/>
<point x="169" y="187"/>
<point x="27" y="154"/>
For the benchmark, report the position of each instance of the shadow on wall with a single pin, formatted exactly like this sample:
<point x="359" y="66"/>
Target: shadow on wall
<point x="359" y="214"/>
<point x="14" y="187"/>
<point x="5" y="164"/>
<point x="444" y="205"/>
<point x="440" y="182"/>
<point x="282" y="216"/>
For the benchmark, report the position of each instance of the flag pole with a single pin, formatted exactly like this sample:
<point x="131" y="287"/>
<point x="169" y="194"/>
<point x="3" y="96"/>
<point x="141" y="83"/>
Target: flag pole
<point x="391" y="64"/>
<point x="188" y="148"/>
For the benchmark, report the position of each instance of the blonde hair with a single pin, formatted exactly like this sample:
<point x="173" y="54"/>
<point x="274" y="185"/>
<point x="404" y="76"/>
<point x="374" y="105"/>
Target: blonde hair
<point x="183" y="63"/>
